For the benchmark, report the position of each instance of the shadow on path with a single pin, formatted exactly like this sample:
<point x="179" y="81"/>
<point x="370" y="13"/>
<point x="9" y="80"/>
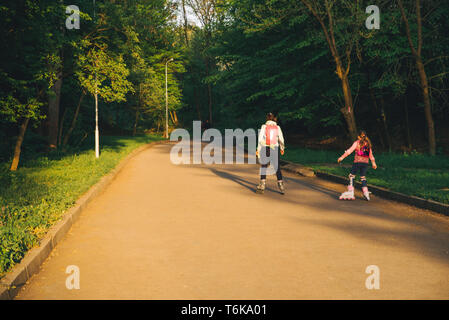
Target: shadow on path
<point x="396" y="225"/>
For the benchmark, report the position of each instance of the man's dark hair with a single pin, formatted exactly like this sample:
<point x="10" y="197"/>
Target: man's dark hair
<point x="271" y="117"/>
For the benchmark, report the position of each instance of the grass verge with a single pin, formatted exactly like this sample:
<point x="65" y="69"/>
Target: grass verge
<point x="413" y="174"/>
<point x="36" y="196"/>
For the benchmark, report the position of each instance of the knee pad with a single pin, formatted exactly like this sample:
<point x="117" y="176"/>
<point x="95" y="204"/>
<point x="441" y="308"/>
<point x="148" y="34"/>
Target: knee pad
<point x="364" y="183"/>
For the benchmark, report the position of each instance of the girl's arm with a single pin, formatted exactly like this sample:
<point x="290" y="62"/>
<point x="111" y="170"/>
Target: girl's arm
<point x="371" y="157"/>
<point x="348" y="152"/>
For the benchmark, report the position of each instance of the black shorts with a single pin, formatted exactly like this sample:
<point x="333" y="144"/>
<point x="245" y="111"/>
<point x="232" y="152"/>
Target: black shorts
<point x="359" y="167"/>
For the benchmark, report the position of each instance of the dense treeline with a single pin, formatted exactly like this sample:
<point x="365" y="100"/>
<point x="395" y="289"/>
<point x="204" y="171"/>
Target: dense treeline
<point x="52" y="74"/>
<point x="314" y="63"/>
<point x="317" y="65"/>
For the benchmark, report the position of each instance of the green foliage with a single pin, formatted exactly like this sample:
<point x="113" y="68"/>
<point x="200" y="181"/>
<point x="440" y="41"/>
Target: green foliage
<point x="12" y="110"/>
<point x="272" y="55"/>
<point x="247" y="58"/>
<point x="24" y="29"/>
<point x="123" y="43"/>
<point x="101" y="73"/>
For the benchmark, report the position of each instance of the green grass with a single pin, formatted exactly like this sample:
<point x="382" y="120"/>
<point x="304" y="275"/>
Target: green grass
<point x="36" y="196"/>
<point x="413" y="174"/>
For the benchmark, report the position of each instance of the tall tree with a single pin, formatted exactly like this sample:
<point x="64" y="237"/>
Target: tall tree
<point x="208" y="14"/>
<point x="102" y="74"/>
<point x="57" y="42"/>
<point x="24" y="82"/>
<point x="332" y="16"/>
<point x="186" y="23"/>
<point x="420" y="66"/>
<point x="54" y="101"/>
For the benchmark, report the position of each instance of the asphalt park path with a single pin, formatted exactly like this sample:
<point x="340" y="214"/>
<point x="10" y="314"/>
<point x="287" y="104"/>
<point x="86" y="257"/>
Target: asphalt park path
<point x="165" y="231"/>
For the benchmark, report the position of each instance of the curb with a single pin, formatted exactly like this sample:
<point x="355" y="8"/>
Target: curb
<point x="392" y="195"/>
<point x="378" y="191"/>
<point x="16" y="278"/>
<point x="297" y="168"/>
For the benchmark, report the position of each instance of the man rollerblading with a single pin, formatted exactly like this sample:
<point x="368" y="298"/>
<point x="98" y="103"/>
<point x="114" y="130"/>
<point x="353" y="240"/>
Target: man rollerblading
<point x="281" y="187"/>
<point x="270" y="146"/>
<point x="261" y="187"/>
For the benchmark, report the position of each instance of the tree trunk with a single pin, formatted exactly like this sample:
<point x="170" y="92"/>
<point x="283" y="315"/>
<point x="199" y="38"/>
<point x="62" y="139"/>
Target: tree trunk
<point x="407" y="124"/>
<point x="82" y="139"/>
<point x="376" y="108"/>
<point x="381" y="139"/>
<point x="72" y="126"/>
<point x="61" y="126"/>
<point x="348" y="109"/>
<point x="416" y="52"/>
<point x="197" y="103"/>
<point x="176" y="117"/>
<point x="186" y="25"/>
<point x="18" y="148"/>
<point x="385" y="124"/>
<point x="136" y="120"/>
<point x="209" y="90"/>
<point x="53" y="113"/>
<point x="427" y="106"/>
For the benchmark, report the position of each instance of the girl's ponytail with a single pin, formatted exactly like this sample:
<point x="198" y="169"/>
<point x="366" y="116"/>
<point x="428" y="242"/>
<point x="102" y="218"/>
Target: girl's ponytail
<point x="364" y="140"/>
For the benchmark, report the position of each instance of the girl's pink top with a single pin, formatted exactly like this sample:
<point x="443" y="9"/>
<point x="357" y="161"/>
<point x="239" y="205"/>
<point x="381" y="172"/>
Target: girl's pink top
<point x="362" y="155"/>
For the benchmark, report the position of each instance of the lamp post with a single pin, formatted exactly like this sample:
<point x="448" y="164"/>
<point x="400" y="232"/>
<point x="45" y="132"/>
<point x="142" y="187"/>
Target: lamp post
<point x="97" y="131"/>
<point x="166" y="97"/>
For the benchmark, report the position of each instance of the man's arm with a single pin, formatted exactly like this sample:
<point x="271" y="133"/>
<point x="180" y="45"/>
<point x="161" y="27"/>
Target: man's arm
<point x="281" y="139"/>
<point x="260" y="139"/>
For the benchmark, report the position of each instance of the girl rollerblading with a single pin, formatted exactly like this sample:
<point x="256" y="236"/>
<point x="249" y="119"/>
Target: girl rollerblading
<point x="363" y="154"/>
<point x="348" y="195"/>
